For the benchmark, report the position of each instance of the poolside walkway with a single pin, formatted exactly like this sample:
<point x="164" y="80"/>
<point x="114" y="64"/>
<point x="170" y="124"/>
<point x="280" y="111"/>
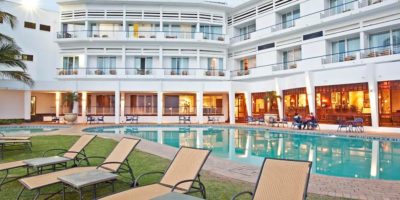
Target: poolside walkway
<point x="319" y="184"/>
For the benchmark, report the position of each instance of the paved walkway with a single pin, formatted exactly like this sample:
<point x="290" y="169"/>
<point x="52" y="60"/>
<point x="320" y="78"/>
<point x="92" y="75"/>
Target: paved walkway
<point x="319" y="184"/>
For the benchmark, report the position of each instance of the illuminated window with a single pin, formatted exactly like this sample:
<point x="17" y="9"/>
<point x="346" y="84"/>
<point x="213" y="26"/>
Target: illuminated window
<point x="30" y="25"/>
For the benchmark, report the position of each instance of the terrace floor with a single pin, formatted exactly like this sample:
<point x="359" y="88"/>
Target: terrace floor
<point x="319" y="184"/>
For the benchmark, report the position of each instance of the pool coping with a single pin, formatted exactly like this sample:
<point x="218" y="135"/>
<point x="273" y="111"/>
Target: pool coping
<point x="319" y="184"/>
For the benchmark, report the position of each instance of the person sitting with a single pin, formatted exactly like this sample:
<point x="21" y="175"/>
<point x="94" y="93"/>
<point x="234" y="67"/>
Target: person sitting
<point x="297" y="120"/>
<point x="309" y="121"/>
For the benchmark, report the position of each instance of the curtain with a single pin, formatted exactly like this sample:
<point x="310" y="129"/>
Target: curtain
<point x="149" y="62"/>
<point x="352" y="46"/>
<point x="220" y="64"/>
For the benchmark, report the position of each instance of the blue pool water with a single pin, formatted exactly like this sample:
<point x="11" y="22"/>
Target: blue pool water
<point x="331" y="155"/>
<point x="27" y="129"/>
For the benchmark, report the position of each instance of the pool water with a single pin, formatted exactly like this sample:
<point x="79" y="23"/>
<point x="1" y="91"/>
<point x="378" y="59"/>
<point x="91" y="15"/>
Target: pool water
<point x="331" y="155"/>
<point x="27" y="129"/>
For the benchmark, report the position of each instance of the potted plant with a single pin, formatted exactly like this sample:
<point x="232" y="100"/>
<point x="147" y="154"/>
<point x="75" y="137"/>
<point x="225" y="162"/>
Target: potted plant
<point x="71" y="101"/>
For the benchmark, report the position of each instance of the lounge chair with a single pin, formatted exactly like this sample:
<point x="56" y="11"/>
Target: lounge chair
<point x="281" y="180"/>
<point x="180" y="176"/>
<point x="4" y="137"/>
<point x="116" y="162"/>
<point x="76" y="153"/>
<point x="358" y="124"/>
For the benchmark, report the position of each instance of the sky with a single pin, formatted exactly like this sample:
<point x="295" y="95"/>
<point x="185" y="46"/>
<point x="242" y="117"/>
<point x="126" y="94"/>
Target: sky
<point x="52" y="5"/>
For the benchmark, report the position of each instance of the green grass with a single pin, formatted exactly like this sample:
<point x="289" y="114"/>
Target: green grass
<point x="218" y="187"/>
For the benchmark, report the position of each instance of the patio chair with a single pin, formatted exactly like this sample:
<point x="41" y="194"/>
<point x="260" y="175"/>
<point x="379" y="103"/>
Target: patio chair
<point x="4" y="137"/>
<point x="281" y="180"/>
<point x="181" y="119"/>
<point x="272" y="121"/>
<point x="211" y="119"/>
<point x="187" y="119"/>
<point x="76" y="153"/>
<point x="179" y="177"/>
<point x="261" y="120"/>
<point x="132" y="119"/>
<point x="296" y="125"/>
<point x="90" y="119"/>
<point x="358" y="124"/>
<point x="100" y="119"/>
<point x="313" y="125"/>
<point x="251" y="120"/>
<point x="284" y="122"/>
<point x="116" y="162"/>
<point x="55" y="119"/>
<point x="342" y="124"/>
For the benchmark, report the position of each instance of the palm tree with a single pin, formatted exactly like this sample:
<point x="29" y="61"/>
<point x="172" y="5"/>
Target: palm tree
<point x="10" y="54"/>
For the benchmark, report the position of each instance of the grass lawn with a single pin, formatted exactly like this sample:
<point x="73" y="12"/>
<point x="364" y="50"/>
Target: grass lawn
<point x="217" y="187"/>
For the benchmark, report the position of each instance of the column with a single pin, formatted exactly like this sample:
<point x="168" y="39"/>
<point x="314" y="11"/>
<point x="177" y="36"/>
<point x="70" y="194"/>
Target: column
<point x="160" y="71"/>
<point x="199" y="106"/>
<point x="122" y="107"/>
<point x="310" y="89"/>
<point x="58" y="102"/>
<point x="279" y="92"/>
<point x="160" y="105"/>
<point x="232" y="107"/>
<point x="160" y="138"/>
<point x="122" y="68"/>
<point x="363" y="43"/>
<point x="373" y="94"/>
<point x="247" y="96"/>
<point x="117" y="106"/>
<point x="231" y="144"/>
<point x="84" y="104"/>
<point x="199" y="138"/>
<point x="27" y="105"/>
<point x="75" y="104"/>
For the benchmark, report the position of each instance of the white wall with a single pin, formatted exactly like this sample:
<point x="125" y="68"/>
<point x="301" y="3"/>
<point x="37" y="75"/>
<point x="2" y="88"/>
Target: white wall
<point x="11" y="104"/>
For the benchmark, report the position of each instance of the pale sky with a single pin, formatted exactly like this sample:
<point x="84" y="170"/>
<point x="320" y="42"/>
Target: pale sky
<point x="52" y="5"/>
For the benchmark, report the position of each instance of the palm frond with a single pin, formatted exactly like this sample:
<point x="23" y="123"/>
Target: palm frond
<point x="8" y="18"/>
<point x="19" y="76"/>
<point x="10" y="56"/>
<point x="6" y="39"/>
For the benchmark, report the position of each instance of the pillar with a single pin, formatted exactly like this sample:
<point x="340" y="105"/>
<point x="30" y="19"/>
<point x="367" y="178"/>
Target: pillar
<point x="231" y="145"/>
<point x="160" y="105"/>
<point x="199" y="106"/>
<point x="232" y="107"/>
<point x="199" y="138"/>
<point x="84" y="104"/>
<point x="160" y="138"/>
<point x="310" y="89"/>
<point x="122" y="107"/>
<point x="75" y="104"/>
<point x="279" y="92"/>
<point x="117" y="106"/>
<point x="373" y="95"/>
<point x="58" y="102"/>
<point x="27" y="105"/>
<point x="247" y="96"/>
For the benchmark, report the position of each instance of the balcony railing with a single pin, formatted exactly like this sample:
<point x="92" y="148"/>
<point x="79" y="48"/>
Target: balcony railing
<point x="141" y="110"/>
<point x="345" y="7"/>
<point x="322" y="13"/>
<point x="381" y="51"/>
<point x="209" y="111"/>
<point x="181" y="110"/>
<point x="285" y="66"/>
<point x="100" y="110"/>
<point x="137" y="71"/>
<point x="139" y="35"/>
<point x="212" y="72"/>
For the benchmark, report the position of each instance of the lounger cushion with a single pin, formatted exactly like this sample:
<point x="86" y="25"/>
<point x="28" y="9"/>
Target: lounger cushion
<point x="12" y="165"/>
<point x="43" y="180"/>
<point x="15" y="141"/>
<point x="120" y="153"/>
<point x="82" y="142"/>
<point x="14" y="138"/>
<point x="141" y="193"/>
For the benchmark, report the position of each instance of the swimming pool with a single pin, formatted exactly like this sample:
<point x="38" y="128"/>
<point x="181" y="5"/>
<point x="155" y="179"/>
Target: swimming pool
<point x="331" y="155"/>
<point x="28" y="129"/>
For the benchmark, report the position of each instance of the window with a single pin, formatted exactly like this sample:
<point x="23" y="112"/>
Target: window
<point x="211" y="32"/>
<point x="70" y="63"/>
<point x="212" y="105"/>
<point x="143" y="65"/>
<point x="345" y="50"/>
<point x="44" y="27"/>
<point x="247" y="63"/>
<point x="180" y="104"/>
<point x="340" y="6"/>
<point x="389" y="106"/>
<point x="289" y="18"/>
<point x="379" y="40"/>
<point x="30" y="25"/>
<point x="295" y="101"/>
<point x="215" y="64"/>
<point x="179" y="65"/>
<point x="105" y="105"/>
<point x="106" y="62"/>
<point x="27" y="57"/>
<point x="143" y="104"/>
<point x="246" y="31"/>
<point x="290" y="57"/>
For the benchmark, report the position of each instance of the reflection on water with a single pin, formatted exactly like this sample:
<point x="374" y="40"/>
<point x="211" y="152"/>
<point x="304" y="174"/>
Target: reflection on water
<point x="345" y="157"/>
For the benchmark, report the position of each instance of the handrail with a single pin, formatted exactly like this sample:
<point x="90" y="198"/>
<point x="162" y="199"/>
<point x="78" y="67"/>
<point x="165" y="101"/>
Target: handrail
<point x="321" y="56"/>
<point x="310" y="14"/>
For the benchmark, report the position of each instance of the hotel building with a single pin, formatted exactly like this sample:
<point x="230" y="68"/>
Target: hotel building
<point x="163" y="59"/>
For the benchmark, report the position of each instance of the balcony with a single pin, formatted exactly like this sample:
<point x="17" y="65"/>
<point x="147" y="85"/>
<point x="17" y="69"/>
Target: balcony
<point x="342" y="8"/>
<point x="140" y="35"/>
<point x="381" y="51"/>
<point x="211" y="72"/>
<point x="141" y="110"/>
<point x="284" y="66"/>
<point x="341" y="57"/>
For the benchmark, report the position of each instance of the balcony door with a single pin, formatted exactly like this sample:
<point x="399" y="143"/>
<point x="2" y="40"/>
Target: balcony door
<point x="179" y="65"/>
<point x="143" y="65"/>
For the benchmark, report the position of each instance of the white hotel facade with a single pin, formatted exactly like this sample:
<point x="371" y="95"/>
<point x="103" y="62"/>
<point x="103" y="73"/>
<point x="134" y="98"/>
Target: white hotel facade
<point x="162" y="59"/>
